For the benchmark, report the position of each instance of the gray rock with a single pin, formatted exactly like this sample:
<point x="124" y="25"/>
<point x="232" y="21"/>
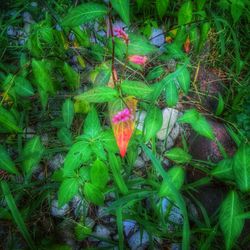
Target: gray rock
<point x="58" y="212"/>
<point x="29" y="132"/>
<point x="140" y="117"/>
<point x="11" y="31"/>
<point x="175" y="246"/>
<point x="56" y="162"/>
<point x="27" y="18"/>
<point x="169" y="119"/>
<point x="139" y="163"/>
<point x="144" y="157"/>
<point x="129" y="226"/>
<point x="80" y="206"/>
<point x="102" y="232"/>
<point x="45" y="139"/>
<point x="157" y="37"/>
<point x="33" y="4"/>
<point x="137" y="242"/>
<point x="175" y="131"/>
<point x="169" y="143"/>
<point x="89" y="222"/>
<point x="102" y="212"/>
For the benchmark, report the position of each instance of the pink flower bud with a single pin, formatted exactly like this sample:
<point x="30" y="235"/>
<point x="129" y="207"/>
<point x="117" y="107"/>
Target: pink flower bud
<point x="140" y="60"/>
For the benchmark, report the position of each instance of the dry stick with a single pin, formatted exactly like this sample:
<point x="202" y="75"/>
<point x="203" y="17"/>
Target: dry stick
<point x="195" y="79"/>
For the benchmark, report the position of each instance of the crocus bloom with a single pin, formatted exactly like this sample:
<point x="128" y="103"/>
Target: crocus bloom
<point x="140" y="60"/>
<point x="122" y="116"/>
<point x="119" y="32"/>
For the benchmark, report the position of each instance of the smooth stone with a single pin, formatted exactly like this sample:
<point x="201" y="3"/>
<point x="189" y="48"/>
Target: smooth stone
<point x="169" y="119"/>
<point x="129" y="226"/>
<point x="157" y="37"/>
<point x="102" y="232"/>
<point x="139" y="163"/>
<point x="29" y="132"/>
<point x="58" y="212"/>
<point x="89" y="222"/>
<point x="169" y="143"/>
<point x="140" y="117"/>
<point x="175" y="131"/>
<point x="56" y="162"/>
<point x="137" y="242"/>
<point x="80" y="206"/>
<point x="102" y="212"/>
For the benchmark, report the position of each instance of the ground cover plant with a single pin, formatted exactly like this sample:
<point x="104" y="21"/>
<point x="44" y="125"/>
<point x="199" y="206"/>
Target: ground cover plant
<point x="124" y="124"/>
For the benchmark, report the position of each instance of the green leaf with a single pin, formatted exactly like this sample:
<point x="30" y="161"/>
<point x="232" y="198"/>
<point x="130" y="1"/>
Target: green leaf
<point x="241" y="167"/>
<point x="156" y="72"/>
<point x="122" y="7"/>
<point x="68" y="189"/>
<point x="79" y="153"/>
<point x="237" y="8"/>
<point x="23" y="87"/>
<point x="99" y="174"/>
<point x="171" y="94"/>
<point x="185" y="13"/>
<point x="68" y="112"/>
<point x="139" y="45"/>
<point x="220" y="106"/>
<point x="65" y="136"/>
<point x="17" y="215"/>
<point x="6" y="163"/>
<point x="136" y="88"/>
<point x="190" y="116"/>
<point x="178" y="155"/>
<point x="224" y="170"/>
<point x="82" y="231"/>
<point x="230" y="224"/>
<point x="71" y="76"/>
<point x="115" y="166"/>
<point x="84" y="13"/>
<point x="176" y="175"/>
<point x="8" y="121"/>
<point x="92" y="126"/>
<point x="93" y="194"/>
<point x="161" y="6"/>
<point x="183" y="79"/>
<point x="205" y="28"/>
<point x="99" y="95"/>
<point x="203" y="128"/>
<point x="42" y="75"/>
<point x="153" y="122"/>
<point x="32" y="154"/>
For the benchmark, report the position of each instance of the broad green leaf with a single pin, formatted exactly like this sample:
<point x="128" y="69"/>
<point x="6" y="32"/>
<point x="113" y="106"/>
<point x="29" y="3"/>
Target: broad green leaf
<point x="153" y="122"/>
<point x="139" y="45"/>
<point x="185" y="13"/>
<point x="32" y="154"/>
<point x="99" y="174"/>
<point x="171" y="93"/>
<point x="136" y="88"/>
<point x="176" y="175"/>
<point x="203" y="128"/>
<point x="92" y="126"/>
<point x="161" y="6"/>
<point x="122" y="7"/>
<point x="68" y="112"/>
<point x="84" y="13"/>
<point x="230" y="224"/>
<point x="156" y="72"/>
<point x="71" y="76"/>
<point x="42" y="75"/>
<point x="108" y="141"/>
<point x="8" y="121"/>
<point x="16" y="215"/>
<point x="183" y="79"/>
<point x="68" y="189"/>
<point x="82" y="231"/>
<point x="6" y="163"/>
<point x="224" y="170"/>
<point x="43" y="97"/>
<point x="115" y="165"/>
<point x="237" y="8"/>
<point x="205" y="28"/>
<point x="200" y="4"/>
<point x="79" y="153"/>
<point x="194" y="37"/>
<point x="99" y="95"/>
<point x="241" y="167"/>
<point x="23" y="87"/>
<point x="190" y="116"/>
<point x="98" y="149"/>
<point x="65" y="136"/>
<point x="178" y="155"/>
<point x="220" y="106"/>
<point x="93" y="194"/>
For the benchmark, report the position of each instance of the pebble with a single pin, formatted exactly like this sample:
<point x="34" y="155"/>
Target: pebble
<point x="136" y="241"/>
<point x="58" y="212"/>
<point x="80" y="206"/>
<point x="140" y="117"/>
<point x="157" y="37"/>
<point x="139" y="163"/>
<point x="129" y="226"/>
<point x="175" y="131"/>
<point x="89" y="222"/>
<point x="102" y="232"/>
<point x="175" y="246"/>
<point x="56" y="162"/>
<point x="169" y="119"/>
